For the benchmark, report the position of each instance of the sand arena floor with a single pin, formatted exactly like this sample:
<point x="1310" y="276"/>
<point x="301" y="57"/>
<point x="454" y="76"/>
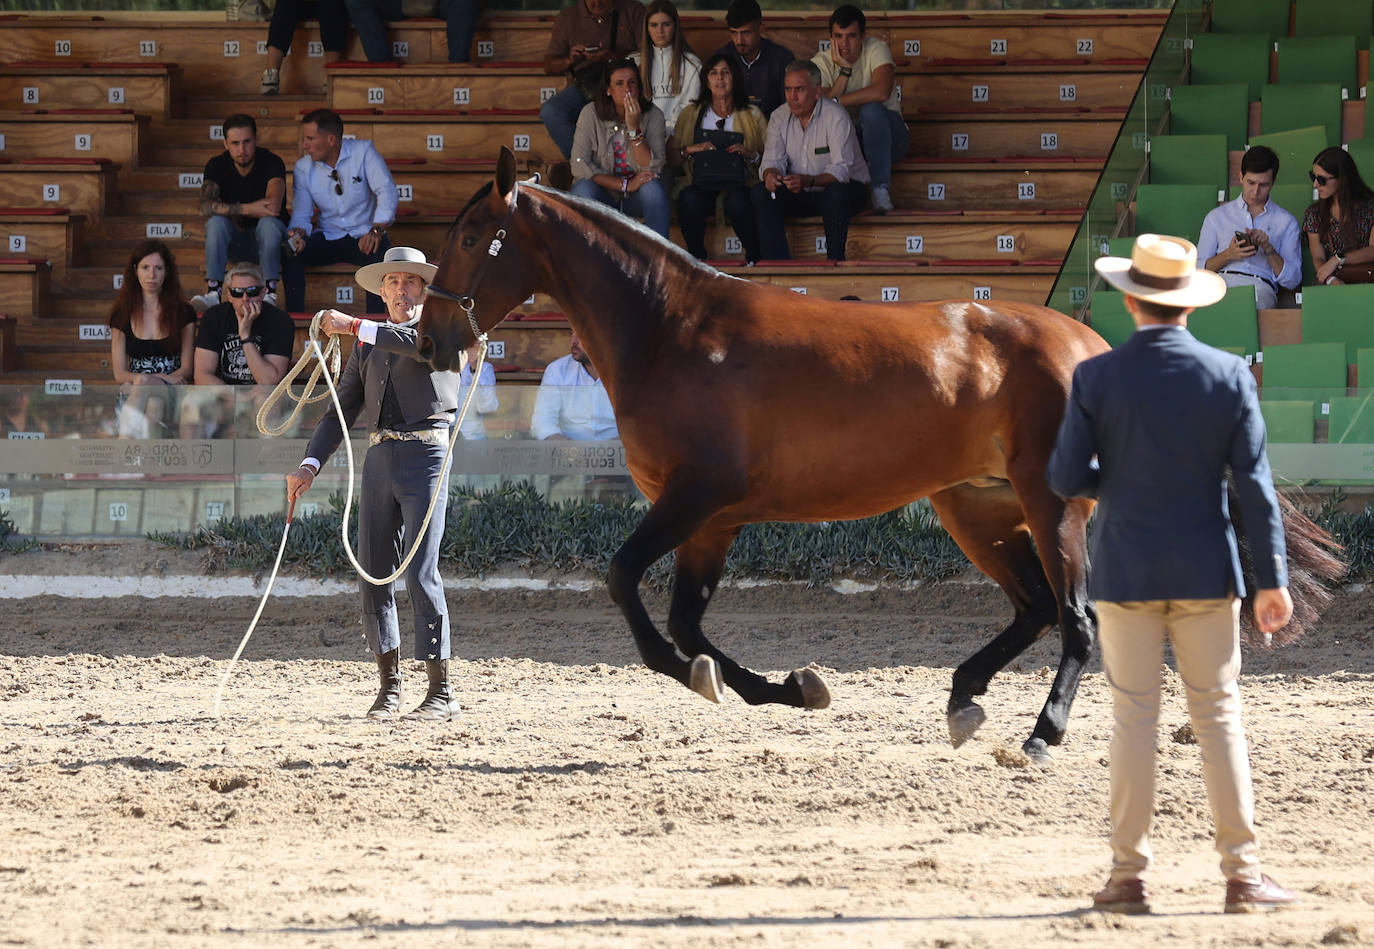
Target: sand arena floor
<point x="583" y="800"/>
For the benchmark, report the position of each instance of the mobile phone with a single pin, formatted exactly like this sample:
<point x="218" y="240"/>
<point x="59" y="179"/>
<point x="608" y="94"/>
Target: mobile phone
<point x="1242" y="238"/>
<point x="592" y="49"/>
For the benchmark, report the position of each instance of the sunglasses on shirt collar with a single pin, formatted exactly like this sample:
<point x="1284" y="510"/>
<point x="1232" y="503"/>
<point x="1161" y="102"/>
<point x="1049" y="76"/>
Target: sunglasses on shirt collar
<point x="338" y="186"/>
<point x="238" y="293"/>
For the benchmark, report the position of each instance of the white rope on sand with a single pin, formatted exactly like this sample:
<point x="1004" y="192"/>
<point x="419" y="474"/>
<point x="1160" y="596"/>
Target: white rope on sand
<point x="329" y="358"/>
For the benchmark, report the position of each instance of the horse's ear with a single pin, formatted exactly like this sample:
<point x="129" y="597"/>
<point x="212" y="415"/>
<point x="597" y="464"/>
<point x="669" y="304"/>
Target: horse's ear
<point x="505" y="172"/>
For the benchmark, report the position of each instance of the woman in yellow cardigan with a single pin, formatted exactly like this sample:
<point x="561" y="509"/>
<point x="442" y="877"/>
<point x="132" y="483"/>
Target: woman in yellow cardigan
<point x="721" y="106"/>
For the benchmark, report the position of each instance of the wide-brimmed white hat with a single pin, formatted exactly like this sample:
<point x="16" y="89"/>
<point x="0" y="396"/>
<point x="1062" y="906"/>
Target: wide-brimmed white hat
<point x="396" y="260"/>
<point x="1163" y="270"/>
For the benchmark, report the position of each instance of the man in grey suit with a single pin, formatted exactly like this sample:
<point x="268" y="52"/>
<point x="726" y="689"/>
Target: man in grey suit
<point x="1150" y="429"/>
<point x="410" y="411"/>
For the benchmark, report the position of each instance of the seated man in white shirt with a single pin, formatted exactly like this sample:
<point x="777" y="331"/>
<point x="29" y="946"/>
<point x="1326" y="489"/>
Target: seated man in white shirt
<point x="1251" y="241"/>
<point x="811" y="166"/>
<point x="571" y="402"/>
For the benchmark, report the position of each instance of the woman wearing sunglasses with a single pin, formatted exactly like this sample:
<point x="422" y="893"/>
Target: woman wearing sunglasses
<point x="1339" y="222"/>
<point x="152" y="331"/>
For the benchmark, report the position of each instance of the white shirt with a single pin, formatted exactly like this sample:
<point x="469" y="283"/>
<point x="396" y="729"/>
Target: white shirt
<point x="484" y="400"/>
<point x="661" y="87"/>
<point x="829" y="145"/>
<point x="1220" y="226"/>
<point x="570" y="402"/>
<point x="369" y="194"/>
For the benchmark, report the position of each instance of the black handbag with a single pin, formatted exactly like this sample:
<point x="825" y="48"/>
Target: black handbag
<point x="717" y="167"/>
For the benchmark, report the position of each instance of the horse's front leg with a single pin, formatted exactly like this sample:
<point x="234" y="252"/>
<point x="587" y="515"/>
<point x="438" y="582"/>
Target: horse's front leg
<point x="700" y="563"/>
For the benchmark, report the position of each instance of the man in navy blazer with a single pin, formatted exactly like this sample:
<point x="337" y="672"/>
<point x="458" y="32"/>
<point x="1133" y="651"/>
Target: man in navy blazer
<point x="410" y="410"/>
<point x="1150" y="431"/>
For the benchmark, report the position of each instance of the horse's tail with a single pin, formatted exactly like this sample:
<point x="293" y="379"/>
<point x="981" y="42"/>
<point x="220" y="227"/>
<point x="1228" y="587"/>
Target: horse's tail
<point x="1314" y="564"/>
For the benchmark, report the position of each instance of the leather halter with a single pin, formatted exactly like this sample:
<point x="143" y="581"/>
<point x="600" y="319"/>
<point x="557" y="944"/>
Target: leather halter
<point x="465" y="300"/>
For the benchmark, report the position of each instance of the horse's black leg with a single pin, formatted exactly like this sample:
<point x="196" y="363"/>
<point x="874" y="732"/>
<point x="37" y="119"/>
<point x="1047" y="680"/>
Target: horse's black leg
<point x="700" y="563"/>
<point x="988" y="525"/>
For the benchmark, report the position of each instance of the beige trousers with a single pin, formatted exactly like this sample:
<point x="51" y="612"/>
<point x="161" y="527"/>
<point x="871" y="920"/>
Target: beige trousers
<point x="1206" y="639"/>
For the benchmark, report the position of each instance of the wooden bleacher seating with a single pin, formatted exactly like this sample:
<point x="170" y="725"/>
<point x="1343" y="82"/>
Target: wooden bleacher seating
<point x="1012" y="115"/>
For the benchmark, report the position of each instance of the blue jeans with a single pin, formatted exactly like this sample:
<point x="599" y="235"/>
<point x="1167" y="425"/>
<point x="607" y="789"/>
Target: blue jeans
<point x="559" y="115"/>
<point x="884" y="138"/>
<point x="319" y="250"/>
<point x="650" y="202"/>
<point x="370" y="18"/>
<point x="263" y="245"/>
<point x="835" y="203"/>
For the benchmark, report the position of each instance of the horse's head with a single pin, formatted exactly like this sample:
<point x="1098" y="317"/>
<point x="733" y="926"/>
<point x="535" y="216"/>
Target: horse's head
<point x="483" y="271"/>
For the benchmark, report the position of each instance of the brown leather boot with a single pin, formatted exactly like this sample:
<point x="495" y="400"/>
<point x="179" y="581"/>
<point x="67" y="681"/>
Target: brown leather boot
<point x="439" y="704"/>
<point x="388" y="703"/>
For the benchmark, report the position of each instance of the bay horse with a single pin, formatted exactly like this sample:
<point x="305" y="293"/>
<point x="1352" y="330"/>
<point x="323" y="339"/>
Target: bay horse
<point x="738" y="402"/>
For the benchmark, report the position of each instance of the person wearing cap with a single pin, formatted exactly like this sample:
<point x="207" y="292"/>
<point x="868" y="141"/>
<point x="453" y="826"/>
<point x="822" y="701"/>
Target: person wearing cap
<point x="1150" y="431"/>
<point x="410" y="410"/>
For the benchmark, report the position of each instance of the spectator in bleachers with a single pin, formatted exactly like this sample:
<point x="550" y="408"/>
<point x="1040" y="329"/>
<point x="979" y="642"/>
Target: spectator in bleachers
<point x="152" y="331"/>
<point x="333" y="17"/>
<point x="484" y="400"/>
<point x="348" y="183"/>
<point x="1339" y="222"/>
<point x="722" y="106"/>
<point x="1269" y="256"/>
<point x="812" y="165"/>
<point x="244" y="340"/>
<point x="370" y="18"/>
<point x="859" y="72"/>
<point x="586" y="36"/>
<point x="571" y="402"/>
<point x="619" y="149"/>
<point x="762" y="61"/>
<point x="243" y="197"/>
<point x="15" y="418"/>
<point x="668" y="69"/>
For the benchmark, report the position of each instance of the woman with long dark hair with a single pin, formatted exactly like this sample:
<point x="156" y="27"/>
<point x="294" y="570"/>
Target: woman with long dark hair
<point x="1339" y="222"/>
<point x="152" y="340"/>
<point x="722" y="105"/>
<point x="619" y="148"/>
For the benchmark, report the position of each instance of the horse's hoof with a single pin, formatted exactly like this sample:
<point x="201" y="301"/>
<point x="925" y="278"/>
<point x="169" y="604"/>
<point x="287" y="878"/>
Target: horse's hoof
<point x="964" y="722"/>
<point x="1039" y="752"/>
<point x="813" y="689"/>
<point x="705" y="679"/>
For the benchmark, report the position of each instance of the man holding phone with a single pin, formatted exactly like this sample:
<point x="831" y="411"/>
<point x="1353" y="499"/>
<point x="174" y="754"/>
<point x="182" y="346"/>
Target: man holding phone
<point x="1251" y="241"/>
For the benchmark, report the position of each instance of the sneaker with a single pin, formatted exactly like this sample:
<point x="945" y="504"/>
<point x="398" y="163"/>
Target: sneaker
<point x="882" y="201"/>
<point x="271" y="82"/>
<point x="270" y="298"/>
<point x="203" y="301"/>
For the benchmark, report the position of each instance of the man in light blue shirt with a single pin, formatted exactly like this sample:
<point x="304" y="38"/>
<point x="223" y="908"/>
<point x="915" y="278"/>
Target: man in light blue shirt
<point x="349" y="185"/>
<point x="1251" y="241"/>
<point x="571" y="402"/>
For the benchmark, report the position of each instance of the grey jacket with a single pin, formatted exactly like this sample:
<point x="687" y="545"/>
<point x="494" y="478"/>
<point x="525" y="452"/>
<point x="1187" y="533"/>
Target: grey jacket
<point x="592" y="152"/>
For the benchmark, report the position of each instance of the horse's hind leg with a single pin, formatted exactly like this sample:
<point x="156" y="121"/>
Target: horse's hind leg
<point x="700" y="563"/>
<point x="988" y="525"/>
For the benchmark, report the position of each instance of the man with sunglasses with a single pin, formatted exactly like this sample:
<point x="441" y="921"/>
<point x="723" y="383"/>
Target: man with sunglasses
<point x="1251" y="241"/>
<point x="244" y="341"/>
<point x="347" y="183"/>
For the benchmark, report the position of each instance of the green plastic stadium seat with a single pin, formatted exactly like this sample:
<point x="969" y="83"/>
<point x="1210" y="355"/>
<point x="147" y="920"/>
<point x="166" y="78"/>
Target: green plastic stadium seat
<point x="1121" y="246"/>
<point x="1188" y="160"/>
<point x="1293" y="198"/>
<point x="1310" y="372"/>
<point x="1362" y="151"/>
<point x="1364" y="368"/>
<point x="1206" y="110"/>
<point x="1352" y="419"/>
<point x="1269" y="17"/>
<point x="1232" y="323"/>
<point x="1295" y="149"/>
<point x="1285" y="108"/>
<point x="1173" y="209"/>
<point x="1227" y="58"/>
<point x="1110" y="319"/>
<point x="1288" y="421"/>
<point x="1334" y="18"/>
<point x="1318" y="59"/>
<point x="1342" y="314"/>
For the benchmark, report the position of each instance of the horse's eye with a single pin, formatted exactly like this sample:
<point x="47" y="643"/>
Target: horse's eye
<point x="468" y="242"/>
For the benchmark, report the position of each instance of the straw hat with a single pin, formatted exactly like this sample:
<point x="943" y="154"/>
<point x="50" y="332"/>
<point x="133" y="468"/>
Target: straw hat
<point x="1163" y="270"/>
<point x="396" y="260"/>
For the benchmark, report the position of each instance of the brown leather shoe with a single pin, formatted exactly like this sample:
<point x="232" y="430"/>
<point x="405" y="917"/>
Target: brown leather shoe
<point x="1122" y="896"/>
<point x="1243" y="897"/>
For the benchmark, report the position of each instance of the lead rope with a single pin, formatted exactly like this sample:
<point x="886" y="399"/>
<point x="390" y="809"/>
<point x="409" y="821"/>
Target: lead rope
<point x="330" y="357"/>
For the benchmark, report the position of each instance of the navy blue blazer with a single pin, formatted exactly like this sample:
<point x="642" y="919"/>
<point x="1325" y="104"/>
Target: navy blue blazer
<point x="1165" y="415"/>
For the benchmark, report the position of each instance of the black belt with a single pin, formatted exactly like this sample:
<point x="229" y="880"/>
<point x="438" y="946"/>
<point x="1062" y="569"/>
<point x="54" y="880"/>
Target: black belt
<point x="1241" y="273"/>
